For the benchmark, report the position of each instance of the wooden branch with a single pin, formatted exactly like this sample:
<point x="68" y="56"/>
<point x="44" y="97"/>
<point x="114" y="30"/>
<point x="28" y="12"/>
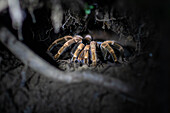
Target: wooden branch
<point x="3" y="5"/>
<point x="41" y="66"/>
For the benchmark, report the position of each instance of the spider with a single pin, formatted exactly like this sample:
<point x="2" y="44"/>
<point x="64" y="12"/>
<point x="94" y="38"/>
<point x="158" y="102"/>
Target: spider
<point x="84" y="49"/>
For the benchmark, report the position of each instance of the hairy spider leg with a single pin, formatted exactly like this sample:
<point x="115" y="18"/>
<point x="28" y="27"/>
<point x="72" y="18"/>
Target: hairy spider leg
<point x="86" y="54"/>
<point x="74" y="40"/>
<point x="93" y="53"/>
<point x="66" y="38"/>
<point x="118" y="46"/>
<point x="81" y="56"/>
<point x="112" y="42"/>
<point x="106" y="47"/>
<point x="78" y="50"/>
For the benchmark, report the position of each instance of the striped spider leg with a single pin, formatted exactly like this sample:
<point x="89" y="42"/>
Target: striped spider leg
<point x="83" y="54"/>
<point x="58" y="41"/>
<point x="68" y="43"/>
<point x="78" y="50"/>
<point x="105" y="47"/>
<point x="89" y="49"/>
<point x="93" y="53"/>
<point x="86" y="54"/>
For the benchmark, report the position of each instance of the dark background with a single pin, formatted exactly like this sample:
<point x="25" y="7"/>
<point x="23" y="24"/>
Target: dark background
<point x="149" y="75"/>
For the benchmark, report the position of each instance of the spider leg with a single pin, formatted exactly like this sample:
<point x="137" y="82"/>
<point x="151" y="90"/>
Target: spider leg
<point x="118" y="46"/>
<point x="104" y="51"/>
<point x="79" y="48"/>
<point x="81" y="56"/>
<point x="93" y="53"/>
<point x="74" y="40"/>
<point x="74" y="49"/>
<point x="105" y="45"/>
<point x="66" y="38"/>
<point x="86" y="54"/>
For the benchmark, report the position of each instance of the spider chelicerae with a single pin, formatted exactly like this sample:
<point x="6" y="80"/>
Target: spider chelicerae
<point x="84" y="50"/>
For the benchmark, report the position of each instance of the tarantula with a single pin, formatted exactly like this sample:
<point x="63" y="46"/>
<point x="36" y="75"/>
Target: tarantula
<point x="85" y="49"/>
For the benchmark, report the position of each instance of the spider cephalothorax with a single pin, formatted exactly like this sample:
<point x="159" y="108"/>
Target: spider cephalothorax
<point x="86" y="48"/>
